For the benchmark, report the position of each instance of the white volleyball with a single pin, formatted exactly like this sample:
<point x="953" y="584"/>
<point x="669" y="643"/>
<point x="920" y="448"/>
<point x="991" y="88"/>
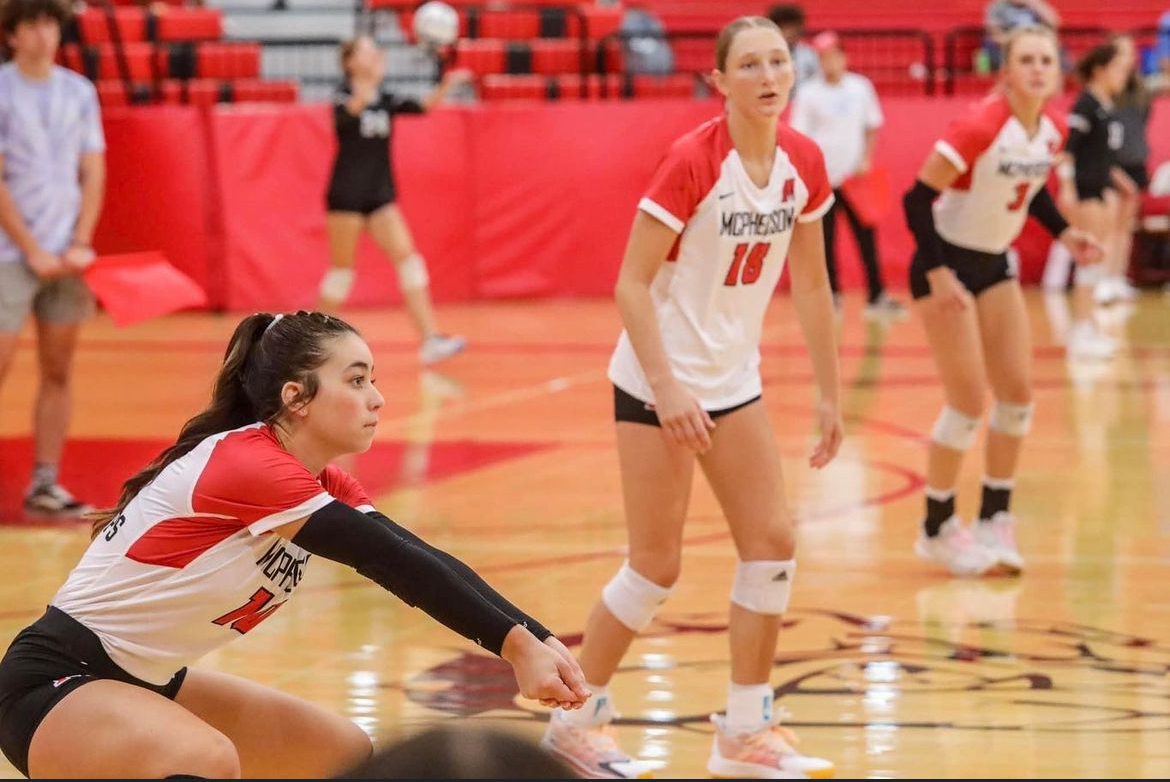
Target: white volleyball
<point x="436" y="23"/>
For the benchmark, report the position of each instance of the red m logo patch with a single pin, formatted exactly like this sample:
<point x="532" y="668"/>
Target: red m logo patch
<point x="789" y="189"/>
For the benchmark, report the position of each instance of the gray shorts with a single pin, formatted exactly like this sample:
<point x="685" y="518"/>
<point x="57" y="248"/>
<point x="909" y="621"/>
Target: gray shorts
<point x="63" y="300"/>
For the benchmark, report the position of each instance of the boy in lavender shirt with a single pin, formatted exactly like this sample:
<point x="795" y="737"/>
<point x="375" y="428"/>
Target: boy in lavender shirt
<point x="52" y="177"/>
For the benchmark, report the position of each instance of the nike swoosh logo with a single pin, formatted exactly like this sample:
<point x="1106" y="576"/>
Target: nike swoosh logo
<point x="727" y="195"/>
<point x="781" y="576"/>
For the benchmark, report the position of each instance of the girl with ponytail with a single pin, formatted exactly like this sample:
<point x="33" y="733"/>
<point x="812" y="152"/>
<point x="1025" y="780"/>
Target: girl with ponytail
<point x="209" y="540"/>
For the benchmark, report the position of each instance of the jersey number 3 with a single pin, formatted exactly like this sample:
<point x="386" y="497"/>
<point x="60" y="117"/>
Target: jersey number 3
<point x="747" y="271"/>
<point x="250" y="614"/>
<point x="1021" y="191"/>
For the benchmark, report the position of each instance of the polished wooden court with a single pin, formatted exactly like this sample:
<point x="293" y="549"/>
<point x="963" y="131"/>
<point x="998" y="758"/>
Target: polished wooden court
<point x="506" y="457"/>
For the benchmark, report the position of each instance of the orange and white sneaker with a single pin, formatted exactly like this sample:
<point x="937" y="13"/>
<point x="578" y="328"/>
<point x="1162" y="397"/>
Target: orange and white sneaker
<point x="766" y="754"/>
<point x="594" y="753"/>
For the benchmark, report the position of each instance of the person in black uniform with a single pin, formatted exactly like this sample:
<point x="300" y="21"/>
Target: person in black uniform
<point x="1134" y="106"/>
<point x="362" y="192"/>
<point x="1089" y="186"/>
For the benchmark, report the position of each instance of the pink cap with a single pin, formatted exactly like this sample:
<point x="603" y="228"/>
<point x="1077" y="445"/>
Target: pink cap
<point x="825" y="41"/>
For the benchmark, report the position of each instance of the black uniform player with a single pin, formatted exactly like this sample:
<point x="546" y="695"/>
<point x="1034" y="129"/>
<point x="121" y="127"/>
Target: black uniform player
<point x="362" y="192"/>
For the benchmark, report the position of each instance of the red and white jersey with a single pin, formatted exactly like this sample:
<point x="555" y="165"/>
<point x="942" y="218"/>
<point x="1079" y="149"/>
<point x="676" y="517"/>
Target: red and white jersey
<point x="711" y="295"/>
<point x="192" y="562"/>
<point x="1001" y="170"/>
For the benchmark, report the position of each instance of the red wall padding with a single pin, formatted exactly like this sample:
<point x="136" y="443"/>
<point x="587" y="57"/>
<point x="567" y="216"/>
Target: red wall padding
<point x="504" y="201"/>
<point x="161" y="193"/>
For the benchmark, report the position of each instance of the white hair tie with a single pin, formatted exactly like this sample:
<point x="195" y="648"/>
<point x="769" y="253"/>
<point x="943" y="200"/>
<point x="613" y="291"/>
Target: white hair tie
<point x="275" y="320"/>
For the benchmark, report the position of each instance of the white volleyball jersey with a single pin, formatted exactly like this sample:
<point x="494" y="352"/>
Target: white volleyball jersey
<point x="192" y="562"/>
<point x="711" y="294"/>
<point x="1001" y="170"/>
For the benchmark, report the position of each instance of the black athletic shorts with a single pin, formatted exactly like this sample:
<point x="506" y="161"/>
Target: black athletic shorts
<point x="48" y="660"/>
<point x="362" y="197"/>
<point x="631" y="409"/>
<point x="977" y="270"/>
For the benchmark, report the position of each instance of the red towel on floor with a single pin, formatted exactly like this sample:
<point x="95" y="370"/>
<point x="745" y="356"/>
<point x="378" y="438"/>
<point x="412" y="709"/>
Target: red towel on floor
<point x="139" y="286"/>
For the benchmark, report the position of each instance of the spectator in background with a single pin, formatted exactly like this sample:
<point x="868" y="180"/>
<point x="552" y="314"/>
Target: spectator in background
<point x="462" y="751"/>
<point x="789" y="17"/>
<point x="52" y="177"/>
<point x="839" y="110"/>
<point x="1003" y="16"/>
<point x="1132" y="107"/>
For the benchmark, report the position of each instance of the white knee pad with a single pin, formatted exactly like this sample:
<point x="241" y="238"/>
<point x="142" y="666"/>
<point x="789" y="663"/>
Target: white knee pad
<point x="954" y="429"/>
<point x="1012" y="418"/>
<point x="412" y="274"/>
<point x="633" y="598"/>
<point x="764" y="585"/>
<point x="336" y="285"/>
<point x="1088" y="275"/>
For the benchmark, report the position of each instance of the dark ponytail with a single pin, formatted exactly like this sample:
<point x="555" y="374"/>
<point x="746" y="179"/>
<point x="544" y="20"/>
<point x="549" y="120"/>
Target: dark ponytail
<point x="265" y="352"/>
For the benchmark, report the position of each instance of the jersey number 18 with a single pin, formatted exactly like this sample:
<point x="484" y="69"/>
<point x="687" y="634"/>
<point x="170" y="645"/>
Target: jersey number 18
<point x="747" y="272"/>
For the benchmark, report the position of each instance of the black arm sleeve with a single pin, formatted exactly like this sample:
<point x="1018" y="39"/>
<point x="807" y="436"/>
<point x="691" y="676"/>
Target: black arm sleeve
<point x="418" y="577"/>
<point x="471" y="577"/>
<point x="920" y="218"/>
<point x="1043" y="208"/>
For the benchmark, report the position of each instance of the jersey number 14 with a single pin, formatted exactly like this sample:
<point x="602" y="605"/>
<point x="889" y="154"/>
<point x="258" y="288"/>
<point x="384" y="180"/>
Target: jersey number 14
<point x="250" y="614"/>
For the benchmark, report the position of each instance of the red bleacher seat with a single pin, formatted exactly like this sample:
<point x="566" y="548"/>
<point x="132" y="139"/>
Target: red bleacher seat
<point x="248" y="90"/>
<point x="202" y="92"/>
<point x="94" y="26"/>
<point x="600" y="20"/>
<point x="111" y="94"/>
<point x="680" y="85"/>
<point x="608" y="87"/>
<point x="190" y="24"/>
<point x="498" y="86"/>
<point x="138" y="60"/>
<point x="552" y="56"/>
<point x="973" y="84"/>
<point x="228" y="61"/>
<point x="514" y="25"/>
<point x="171" y="92"/>
<point x="480" y="56"/>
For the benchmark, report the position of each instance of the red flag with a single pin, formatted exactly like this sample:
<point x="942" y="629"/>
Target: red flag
<point x="869" y="195"/>
<point x="139" y="286"/>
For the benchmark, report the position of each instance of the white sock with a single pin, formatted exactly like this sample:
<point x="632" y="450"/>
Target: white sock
<point x="598" y="710"/>
<point x="941" y="495"/>
<point x="749" y="707"/>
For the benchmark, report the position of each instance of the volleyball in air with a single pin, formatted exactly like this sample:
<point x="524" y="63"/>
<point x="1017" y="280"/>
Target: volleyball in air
<point x="436" y="24"/>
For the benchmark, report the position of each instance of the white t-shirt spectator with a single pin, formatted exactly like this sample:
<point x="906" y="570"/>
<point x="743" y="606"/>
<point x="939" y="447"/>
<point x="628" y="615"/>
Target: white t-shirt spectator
<point x="836" y="117"/>
<point x="805" y="63"/>
<point x="45" y="128"/>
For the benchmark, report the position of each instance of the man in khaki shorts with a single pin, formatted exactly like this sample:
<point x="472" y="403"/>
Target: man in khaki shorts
<point x="52" y="177"/>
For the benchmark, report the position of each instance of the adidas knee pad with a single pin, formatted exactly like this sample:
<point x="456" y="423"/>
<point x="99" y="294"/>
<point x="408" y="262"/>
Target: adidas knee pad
<point x="412" y="274"/>
<point x="763" y="586"/>
<point x="633" y="598"/>
<point x="954" y="429"/>
<point x="336" y="284"/>
<point x="1012" y="418"/>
